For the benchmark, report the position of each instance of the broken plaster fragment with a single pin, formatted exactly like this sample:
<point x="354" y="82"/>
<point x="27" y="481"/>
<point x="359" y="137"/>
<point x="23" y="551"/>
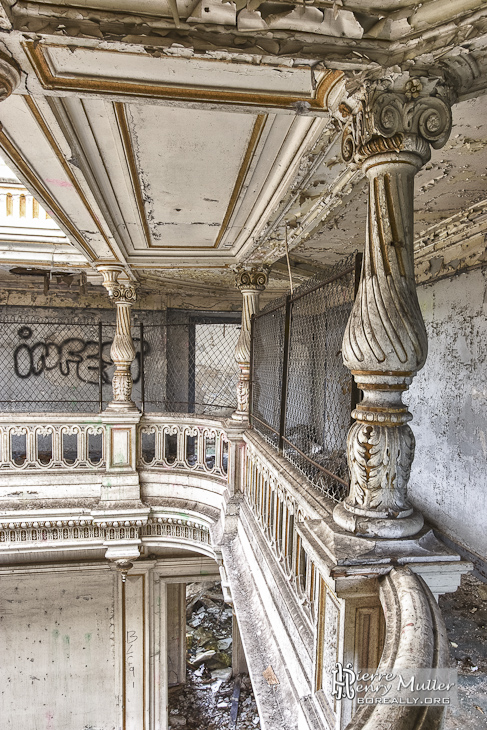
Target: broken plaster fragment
<point x="214" y="11"/>
<point x="270" y="677"/>
<point x="250" y="20"/>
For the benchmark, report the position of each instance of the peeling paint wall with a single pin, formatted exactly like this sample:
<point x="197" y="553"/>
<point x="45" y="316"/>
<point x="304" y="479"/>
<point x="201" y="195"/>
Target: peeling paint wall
<point x="448" y="401"/>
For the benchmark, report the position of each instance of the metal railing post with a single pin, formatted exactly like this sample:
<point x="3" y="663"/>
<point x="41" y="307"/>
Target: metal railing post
<point x="142" y="367"/>
<point x="285" y="364"/>
<point x="100" y="365"/>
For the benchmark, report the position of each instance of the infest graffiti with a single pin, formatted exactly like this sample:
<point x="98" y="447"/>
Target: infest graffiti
<point x="73" y="356"/>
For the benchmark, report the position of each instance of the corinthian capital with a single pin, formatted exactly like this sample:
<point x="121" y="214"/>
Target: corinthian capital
<point x="408" y="116"/>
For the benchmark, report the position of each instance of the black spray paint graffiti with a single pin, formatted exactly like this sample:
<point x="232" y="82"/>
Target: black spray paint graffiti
<point x="73" y="357"/>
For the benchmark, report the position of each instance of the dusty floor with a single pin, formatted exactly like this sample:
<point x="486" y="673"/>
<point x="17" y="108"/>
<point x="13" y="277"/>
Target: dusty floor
<point x="205" y="701"/>
<point x="465" y="614"/>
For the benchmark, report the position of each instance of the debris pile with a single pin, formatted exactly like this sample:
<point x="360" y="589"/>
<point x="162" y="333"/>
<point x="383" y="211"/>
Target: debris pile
<point x="211" y="699"/>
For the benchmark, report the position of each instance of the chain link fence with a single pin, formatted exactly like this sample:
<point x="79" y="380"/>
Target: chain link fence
<point x="302" y="394"/>
<point x="61" y="366"/>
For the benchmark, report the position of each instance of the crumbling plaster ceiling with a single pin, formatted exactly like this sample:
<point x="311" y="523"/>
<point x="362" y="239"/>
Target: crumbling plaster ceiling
<point x="182" y="138"/>
<point x="454" y="181"/>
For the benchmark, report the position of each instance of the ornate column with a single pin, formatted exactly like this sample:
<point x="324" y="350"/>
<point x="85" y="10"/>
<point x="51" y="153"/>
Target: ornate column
<point x="385" y="341"/>
<point x="250" y="282"/>
<point x="122" y="351"/>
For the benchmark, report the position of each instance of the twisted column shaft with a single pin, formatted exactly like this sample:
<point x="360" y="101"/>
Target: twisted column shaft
<point x="385" y="341"/>
<point x="122" y="350"/>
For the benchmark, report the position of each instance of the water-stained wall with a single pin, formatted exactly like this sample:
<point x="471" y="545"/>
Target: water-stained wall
<point x="448" y="399"/>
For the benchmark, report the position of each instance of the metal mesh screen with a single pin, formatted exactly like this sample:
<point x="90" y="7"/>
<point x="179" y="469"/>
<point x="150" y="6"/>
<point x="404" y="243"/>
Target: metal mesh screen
<point x="267" y="356"/>
<point x="202" y="373"/>
<point x="49" y="366"/>
<point x="154" y="368"/>
<point x="309" y="417"/>
<point x="53" y="366"/>
<point x="216" y="372"/>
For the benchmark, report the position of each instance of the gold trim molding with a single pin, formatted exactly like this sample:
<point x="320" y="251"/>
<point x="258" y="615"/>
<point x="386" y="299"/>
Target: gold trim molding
<point x="255" y="136"/>
<point x="59" y="155"/>
<point x="35" y="53"/>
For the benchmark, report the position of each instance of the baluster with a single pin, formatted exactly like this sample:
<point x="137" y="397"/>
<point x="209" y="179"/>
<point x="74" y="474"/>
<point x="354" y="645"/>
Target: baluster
<point x="180" y="445"/>
<point x="159" y="445"/>
<point x="200" y="462"/>
<point x="82" y="446"/>
<point x="30" y="445"/>
<point x="5" y="455"/>
<point x="57" y="453"/>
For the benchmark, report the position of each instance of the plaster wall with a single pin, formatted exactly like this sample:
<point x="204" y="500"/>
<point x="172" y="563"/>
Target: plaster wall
<point x="447" y="399"/>
<point x="58" y="650"/>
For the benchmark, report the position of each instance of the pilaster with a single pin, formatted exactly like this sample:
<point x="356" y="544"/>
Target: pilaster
<point x="389" y="136"/>
<point x="176" y="633"/>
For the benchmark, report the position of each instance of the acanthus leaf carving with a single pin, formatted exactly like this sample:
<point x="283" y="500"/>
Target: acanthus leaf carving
<point x="380" y="464"/>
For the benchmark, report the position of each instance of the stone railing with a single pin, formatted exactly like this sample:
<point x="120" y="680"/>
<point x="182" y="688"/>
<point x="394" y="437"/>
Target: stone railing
<point x="278" y="509"/>
<point x="416" y="639"/>
<point x="182" y="442"/>
<point x="362" y="602"/>
<point x="51" y="441"/>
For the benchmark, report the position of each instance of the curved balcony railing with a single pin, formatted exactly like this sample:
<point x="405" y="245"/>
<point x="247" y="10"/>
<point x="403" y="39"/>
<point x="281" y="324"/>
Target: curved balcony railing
<point x="52" y="441"/>
<point x="47" y="441"/>
<point x="169" y="441"/>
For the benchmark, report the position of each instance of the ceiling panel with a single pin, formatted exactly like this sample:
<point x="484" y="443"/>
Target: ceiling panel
<point x="186" y="165"/>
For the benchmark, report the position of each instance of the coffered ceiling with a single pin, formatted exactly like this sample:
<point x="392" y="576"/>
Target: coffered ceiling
<point x="181" y="137"/>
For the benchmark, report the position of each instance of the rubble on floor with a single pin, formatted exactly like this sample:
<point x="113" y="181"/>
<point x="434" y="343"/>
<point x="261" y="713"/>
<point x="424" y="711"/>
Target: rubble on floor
<point x="465" y="614"/>
<point x="211" y="697"/>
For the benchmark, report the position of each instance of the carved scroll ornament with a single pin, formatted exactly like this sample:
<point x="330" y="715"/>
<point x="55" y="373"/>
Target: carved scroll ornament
<point x="9" y="76"/>
<point x="389" y="120"/>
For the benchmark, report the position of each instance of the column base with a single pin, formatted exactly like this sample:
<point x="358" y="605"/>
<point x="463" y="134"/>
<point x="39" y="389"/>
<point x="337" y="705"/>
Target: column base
<point x="240" y="416"/>
<point x="365" y="526"/>
<point x="122" y="406"/>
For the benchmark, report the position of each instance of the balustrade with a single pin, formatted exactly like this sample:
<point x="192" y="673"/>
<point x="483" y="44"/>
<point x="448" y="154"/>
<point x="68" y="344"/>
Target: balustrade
<point x="56" y="441"/>
<point x="65" y="441"/>
<point x="278" y="513"/>
<point x="197" y="445"/>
